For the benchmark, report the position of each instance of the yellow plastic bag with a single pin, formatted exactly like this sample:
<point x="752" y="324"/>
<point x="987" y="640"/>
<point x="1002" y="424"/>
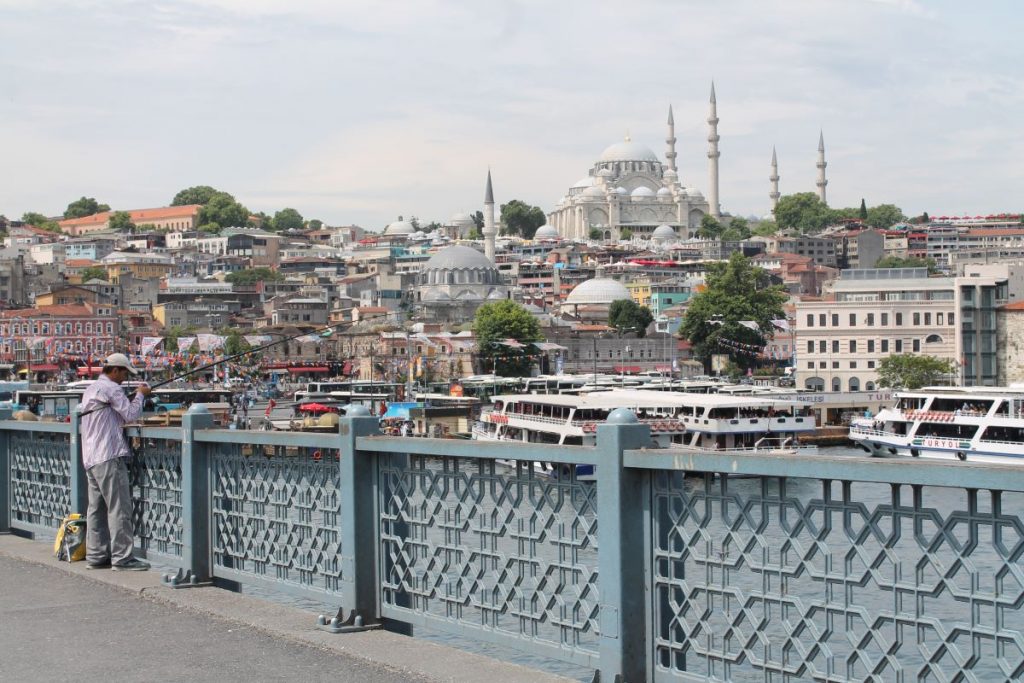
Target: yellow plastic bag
<point x="69" y="546"/>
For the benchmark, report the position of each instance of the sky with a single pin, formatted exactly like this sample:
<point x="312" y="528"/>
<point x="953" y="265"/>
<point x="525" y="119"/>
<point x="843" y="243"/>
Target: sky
<point x="355" y="113"/>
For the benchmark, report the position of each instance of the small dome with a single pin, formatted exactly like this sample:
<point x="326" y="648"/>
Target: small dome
<point x="664" y="192"/>
<point x="546" y="232"/>
<point x="694" y="193"/>
<point x="456" y="257"/>
<point x="628" y="150"/>
<point x="462" y="219"/>
<point x="621" y="190"/>
<point x="599" y="290"/>
<point x="605" y="173"/>
<point x="641" y="192"/>
<point x="593" y="191"/>
<point x="400" y="228"/>
<point x="663" y="232"/>
<point x="669" y="173"/>
<point x="586" y="181"/>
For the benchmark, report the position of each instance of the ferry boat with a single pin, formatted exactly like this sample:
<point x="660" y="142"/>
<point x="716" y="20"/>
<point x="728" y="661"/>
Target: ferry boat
<point x="974" y="424"/>
<point x="681" y="421"/>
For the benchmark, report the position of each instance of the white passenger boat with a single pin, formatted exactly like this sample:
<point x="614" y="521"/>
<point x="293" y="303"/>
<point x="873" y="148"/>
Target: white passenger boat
<point x="681" y="421"/>
<point x="974" y="424"/>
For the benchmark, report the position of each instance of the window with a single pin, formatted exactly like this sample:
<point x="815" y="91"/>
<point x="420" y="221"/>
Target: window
<point x="835" y="320"/>
<point x="821" y="320"/>
<point x="810" y="320"/>
<point x="885" y="319"/>
<point x="853" y="365"/>
<point x="885" y="346"/>
<point x="917" y="318"/>
<point x="899" y="346"/>
<point x="822" y="365"/>
<point x="871" y="365"/>
<point x="835" y="365"/>
<point x="88" y="328"/>
<point x="822" y="346"/>
<point x="110" y="328"/>
<point x="871" y="319"/>
<point x="853" y="320"/>
<point x="871" y="345"/>
<point x="853" y="346"/>
<point x="810" y="365"/>
<point x="899" y="319"/>
<point x="932" y="339"/>
<point x="951" y="322"/>
<point x="927" y="318"/>
<point x="916" y="345"/>
<point x="939" y="317"/>
<point x="810" y="346"/>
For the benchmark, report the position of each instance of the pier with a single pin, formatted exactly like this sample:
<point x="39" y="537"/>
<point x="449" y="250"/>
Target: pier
<point x="670" y="566"/>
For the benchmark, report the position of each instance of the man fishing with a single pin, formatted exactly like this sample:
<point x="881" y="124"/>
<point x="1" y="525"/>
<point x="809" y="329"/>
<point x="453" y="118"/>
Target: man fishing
<point x="105" y="453"/>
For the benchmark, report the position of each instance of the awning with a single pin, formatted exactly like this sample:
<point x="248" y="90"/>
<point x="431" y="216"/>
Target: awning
<point x="627" y="368"/>
<point x="303" y="371"/>
<point x="84" y="371"/>
<point x="45" y="367"/>
<point x="549" y="346"/>
<point x="398" y="411"/>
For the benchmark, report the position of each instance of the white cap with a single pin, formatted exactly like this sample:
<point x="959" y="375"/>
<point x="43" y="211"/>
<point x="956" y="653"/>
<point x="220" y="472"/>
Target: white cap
<point x="119" y="360"/>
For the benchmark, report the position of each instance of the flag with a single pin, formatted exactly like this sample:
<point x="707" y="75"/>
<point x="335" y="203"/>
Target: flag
<point x="185" y="343"/>
<point x="750" y="325"/>
<point x="149" y="344"/>
<point x="209" y="342"/>
<point x="781" y="324"/>
<point x="258" y="339"/>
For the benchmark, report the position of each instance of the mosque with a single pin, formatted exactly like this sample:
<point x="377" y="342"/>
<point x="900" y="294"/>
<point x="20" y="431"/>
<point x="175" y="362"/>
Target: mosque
<point x="630" y="187"/>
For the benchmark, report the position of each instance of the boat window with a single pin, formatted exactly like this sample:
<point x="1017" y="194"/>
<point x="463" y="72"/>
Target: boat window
<point x="947" y="430"/>
<point x="1007" y="434"/>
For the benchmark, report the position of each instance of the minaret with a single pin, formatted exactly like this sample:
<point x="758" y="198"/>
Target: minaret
<point x="821" y="168"/>
<point x="490" y="231"/>
<point x="713" y="155"/>
<point x="774" y="178"/>
<point x="671" y="141"/>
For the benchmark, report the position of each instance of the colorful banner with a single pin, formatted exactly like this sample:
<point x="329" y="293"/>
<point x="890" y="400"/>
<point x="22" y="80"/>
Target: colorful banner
<point x="209" y="342"/>
<point x="258" y="339"/>
<point x="149" y="344"/>
<point x="185" y="343"/>
<point x="308" y="339"/>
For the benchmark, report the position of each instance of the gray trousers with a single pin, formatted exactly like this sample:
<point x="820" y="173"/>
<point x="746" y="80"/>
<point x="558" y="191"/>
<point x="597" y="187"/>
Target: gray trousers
<point x="110" y="534"/>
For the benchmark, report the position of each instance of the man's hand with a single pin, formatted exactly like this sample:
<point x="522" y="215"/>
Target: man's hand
<point x="144" y="389"/>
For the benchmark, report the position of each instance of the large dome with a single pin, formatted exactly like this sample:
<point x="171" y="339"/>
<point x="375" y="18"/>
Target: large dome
<point x="628" y="150"/>
<point x="546" y="232"/>
<point x="600" y="290"/>
<point x="663" y="232"/>
<point x="458" y="257"/>
<point x="400" y="228"/>
<point x="462" y="219"/>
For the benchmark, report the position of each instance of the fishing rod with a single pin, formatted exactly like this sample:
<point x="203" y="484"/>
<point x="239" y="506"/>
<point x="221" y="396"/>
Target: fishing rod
<point x="324" y="333"/>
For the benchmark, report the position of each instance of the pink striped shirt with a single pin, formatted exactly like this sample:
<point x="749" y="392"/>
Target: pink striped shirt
<point x="103" y="436"/>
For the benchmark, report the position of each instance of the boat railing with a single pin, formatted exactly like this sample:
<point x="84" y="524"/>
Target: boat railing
<point x="856" y="429"/>
<point x="1005" y="443"/>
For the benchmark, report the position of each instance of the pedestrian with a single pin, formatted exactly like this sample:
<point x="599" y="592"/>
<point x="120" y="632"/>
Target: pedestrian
<point x="110" y="537"/>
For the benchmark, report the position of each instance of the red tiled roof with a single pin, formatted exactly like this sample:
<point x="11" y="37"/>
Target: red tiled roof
<point x="59" y="310"/>
<point x="138" y="215"/>
<point x="80" y="263"/>
<point x="1015" y="306"/>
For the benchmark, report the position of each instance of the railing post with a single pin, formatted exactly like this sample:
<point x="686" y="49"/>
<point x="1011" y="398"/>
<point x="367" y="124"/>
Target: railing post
<point x="196" y="546"/>
<point x="358" y="492"/>
<point x="622" y="547"/>
<point x="78" y="496"/>
<point x="5" y="474"/>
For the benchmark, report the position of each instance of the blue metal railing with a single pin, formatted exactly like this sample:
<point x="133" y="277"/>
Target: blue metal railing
<point x="670" y="566"/>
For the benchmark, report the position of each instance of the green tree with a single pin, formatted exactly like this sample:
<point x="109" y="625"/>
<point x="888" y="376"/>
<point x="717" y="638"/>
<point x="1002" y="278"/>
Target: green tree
<point x="926" y="219"/>
<point x="803" y="212"/>
<point x="500" y="320"/>
<point x="86" y="206"/>
<point x="315" y="224"/>
<point x="34" y="219"/>
<point x="474" y="234"/>
<point x="710" y="228"/>
<point x="209" y="229"/>
<point x="626" y="234"/>
<point x="908" y="262"/>
<point x="735" y="291"/>
<point x="199" y="194"/>
<point x="287" y="219"/>
<point x="253" y="275"/>
<point x="478" y="219"/>
<point x="766" y="228"/>
<point x="909" y="371"/>
<point x="234" y="343"/>
<point x="595" y="234"/>
<point x="863" y="210"/>
<point x="121" y="221"/>
<point x="519" y="218"/>
<point x="626" y="315"/>
<point x="171" y="335"/>
<point x="93" y="273"/>
<point x="885" y="216"/>
<point x="737" y="230"/>
<point x="223" y="210"/>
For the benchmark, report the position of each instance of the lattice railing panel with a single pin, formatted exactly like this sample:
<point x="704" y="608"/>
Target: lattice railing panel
<point x="478" y="544"/>
<point x="156" y="493"/>
<point x="793" y="580"/>
<point x="40" y="466"/>
<point x="276" y="514"/>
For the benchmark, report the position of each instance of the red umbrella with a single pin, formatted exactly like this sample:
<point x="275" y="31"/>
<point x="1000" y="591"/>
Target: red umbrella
<point x="316" y="408"/>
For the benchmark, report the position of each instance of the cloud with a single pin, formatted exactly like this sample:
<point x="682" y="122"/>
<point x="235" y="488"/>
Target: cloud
<point x="358" y="112"/>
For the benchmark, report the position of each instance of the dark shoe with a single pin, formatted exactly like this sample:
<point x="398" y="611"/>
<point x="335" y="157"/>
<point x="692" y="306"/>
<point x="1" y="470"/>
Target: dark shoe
<point x="98" y="565"/>
<point x="132" y="565"/>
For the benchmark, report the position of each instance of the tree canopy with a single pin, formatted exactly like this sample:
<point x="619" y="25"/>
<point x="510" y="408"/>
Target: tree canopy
<point x="735" y="291"/>
<point x="315" y="224"/>
<point x="38" y="220"/>
<point x="287" y="219"/>
<point x="910" y="371"/>
<point x="519" y="218"/>
<point x="908" y="262"/>
<point x="251" y="276"/>
<point x="234" y="342"/>
<point x="709" y="228"/>
<point x="803" y="212"/>
<point x="595" y="234"/>
<point x="223" y="210"/>
<point x="737" y="230"/>
<point x="121" y="221"/>
<point x="199" y="194"/>
<point x="766" y="228"/>
<point x="497" y="321"/>
<point x="86" y="206"/>
<point x="93" y="273"/>
<point x="626" y="315"/>
<point x="478" y="219"/>
<point x="884" y="216"/>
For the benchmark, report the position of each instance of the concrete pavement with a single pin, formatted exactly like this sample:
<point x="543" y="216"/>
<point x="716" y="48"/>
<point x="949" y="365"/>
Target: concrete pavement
<point x="59" y="621"/>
